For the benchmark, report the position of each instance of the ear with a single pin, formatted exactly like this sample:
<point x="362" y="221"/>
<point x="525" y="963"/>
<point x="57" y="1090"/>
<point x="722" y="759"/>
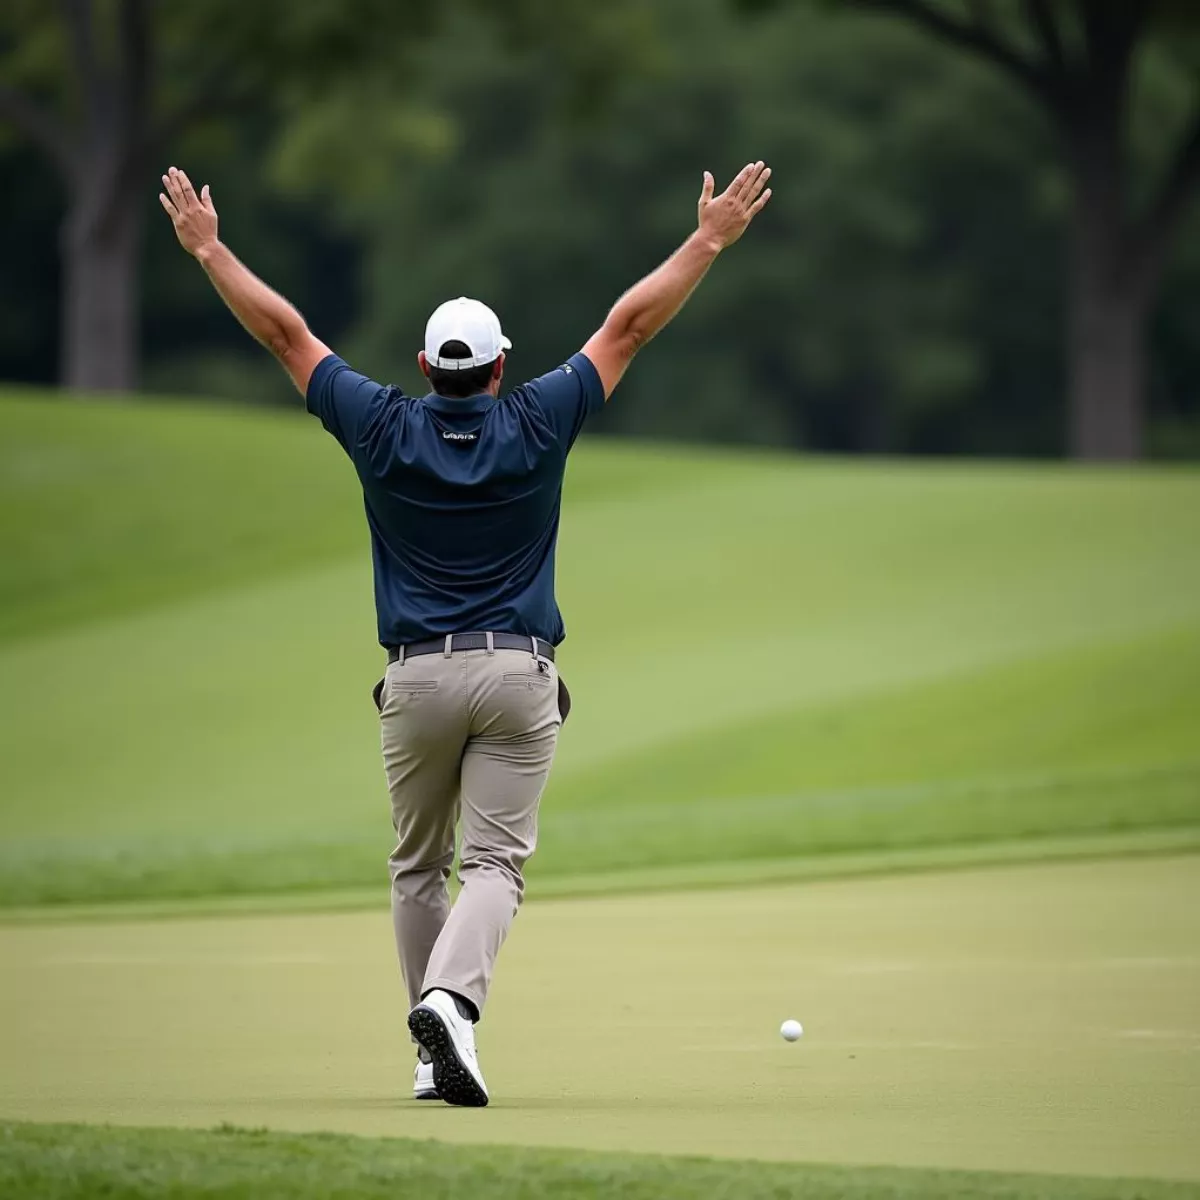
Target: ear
<point x="498" y="369"/>
<point x="423" y="363"/>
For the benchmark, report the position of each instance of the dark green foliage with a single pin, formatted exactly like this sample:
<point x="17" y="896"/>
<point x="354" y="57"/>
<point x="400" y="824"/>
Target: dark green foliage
<point x="903" y="292"/>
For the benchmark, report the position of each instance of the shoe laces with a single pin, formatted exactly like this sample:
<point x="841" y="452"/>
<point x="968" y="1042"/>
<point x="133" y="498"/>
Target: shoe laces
<point x="468" y="1037"/>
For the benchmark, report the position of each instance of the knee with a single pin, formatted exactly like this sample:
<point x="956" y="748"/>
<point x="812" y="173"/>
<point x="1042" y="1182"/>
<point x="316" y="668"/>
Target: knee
<point x="415" y="878"/>
<point x="504" y="866"/>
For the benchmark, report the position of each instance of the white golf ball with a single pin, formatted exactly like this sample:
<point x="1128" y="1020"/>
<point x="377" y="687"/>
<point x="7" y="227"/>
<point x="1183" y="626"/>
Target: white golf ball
<point x="790" y="1031"/>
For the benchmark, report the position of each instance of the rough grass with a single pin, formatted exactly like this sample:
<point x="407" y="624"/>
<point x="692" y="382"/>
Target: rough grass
<point x="770" y="657"/>
<point x="74" y="1162"/>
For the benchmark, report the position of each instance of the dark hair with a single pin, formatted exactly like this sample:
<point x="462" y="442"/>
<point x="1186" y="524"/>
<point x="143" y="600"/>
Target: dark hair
<point x="458" y="385"/>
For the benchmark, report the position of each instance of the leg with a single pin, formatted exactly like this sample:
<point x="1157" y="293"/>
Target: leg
<point x="514" y="731"/>
<point x="423" y="723"/>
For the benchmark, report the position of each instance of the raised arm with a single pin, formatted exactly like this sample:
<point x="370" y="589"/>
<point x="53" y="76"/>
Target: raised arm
<point x="265" y="314"/>
<point x="650" y="304"/>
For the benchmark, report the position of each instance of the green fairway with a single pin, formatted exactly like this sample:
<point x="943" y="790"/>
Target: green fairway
<point x="771" y="658"/>
<point x="1030" y="1018"/>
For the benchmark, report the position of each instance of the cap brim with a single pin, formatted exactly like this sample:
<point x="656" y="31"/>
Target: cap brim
<point x="505" y="344"/>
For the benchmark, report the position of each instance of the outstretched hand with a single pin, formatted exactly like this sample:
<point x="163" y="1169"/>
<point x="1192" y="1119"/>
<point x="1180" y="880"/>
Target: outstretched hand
<point x="194" y="217"/>
<point x="726" y="216"/>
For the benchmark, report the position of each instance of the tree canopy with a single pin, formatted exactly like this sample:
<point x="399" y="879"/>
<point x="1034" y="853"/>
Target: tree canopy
<point x="906" y="290"/>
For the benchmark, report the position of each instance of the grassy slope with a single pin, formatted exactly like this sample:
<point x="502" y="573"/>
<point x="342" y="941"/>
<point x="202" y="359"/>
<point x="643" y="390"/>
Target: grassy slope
<point x="107" y="509"/>
<point x="769" y="657"/>
<point x="77" y="1163"/>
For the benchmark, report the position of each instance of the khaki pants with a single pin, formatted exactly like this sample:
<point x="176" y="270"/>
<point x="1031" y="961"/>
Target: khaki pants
<point x="468" y="735"/>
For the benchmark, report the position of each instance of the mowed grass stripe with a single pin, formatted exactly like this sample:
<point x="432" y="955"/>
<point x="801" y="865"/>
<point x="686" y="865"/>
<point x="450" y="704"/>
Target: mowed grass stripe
<point x="925" y="766"/>
<point x="745" y="839"/>
<point x="1115" y="706"/>
<point x="755" y="872"/>
<point x="80" y="1162"/>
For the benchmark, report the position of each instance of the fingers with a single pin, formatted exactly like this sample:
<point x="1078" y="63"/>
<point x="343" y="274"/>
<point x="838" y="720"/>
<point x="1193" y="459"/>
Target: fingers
<point x="171" y="183"/>
<point x="188" y="190"/>
<point x="206" y="199"/>
<point x="706" y="189"/>
<point x="757" y="184"/>
<point x="757" y="206"/>
<point x="734" y="190"/>
<point x="750" y="185"/>
<point x="172" y="211"/>
<point x="179" y="188"/>
<point x="745" y="179"/>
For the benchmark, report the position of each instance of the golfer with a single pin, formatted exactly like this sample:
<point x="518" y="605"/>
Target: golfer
<point x="462" y="491"/>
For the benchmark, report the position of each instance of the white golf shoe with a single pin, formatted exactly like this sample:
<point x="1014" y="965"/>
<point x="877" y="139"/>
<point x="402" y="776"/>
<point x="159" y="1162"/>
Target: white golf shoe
<point x="449" y="1038"/>
<point x="423" y="1086"/>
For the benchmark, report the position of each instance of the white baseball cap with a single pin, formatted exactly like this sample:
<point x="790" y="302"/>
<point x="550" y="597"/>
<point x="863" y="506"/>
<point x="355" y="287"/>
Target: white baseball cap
<point x="470" y="322"/>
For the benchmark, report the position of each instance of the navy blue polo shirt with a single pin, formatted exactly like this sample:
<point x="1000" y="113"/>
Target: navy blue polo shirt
<point x="462" y="496"/>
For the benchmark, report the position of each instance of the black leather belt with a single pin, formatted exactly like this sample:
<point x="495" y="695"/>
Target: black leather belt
<point x="472" y="641"/>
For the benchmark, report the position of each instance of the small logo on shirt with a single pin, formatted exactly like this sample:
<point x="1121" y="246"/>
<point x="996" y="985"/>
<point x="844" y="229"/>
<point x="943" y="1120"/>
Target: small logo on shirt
<point x="568" y="368"/>
<point x="448" y="435"/>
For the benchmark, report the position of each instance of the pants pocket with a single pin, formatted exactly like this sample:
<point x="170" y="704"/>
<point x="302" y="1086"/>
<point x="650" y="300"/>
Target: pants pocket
<point x="413" y="685"/>
<point x="528" y="678"/>
<point x="394" y="687"/>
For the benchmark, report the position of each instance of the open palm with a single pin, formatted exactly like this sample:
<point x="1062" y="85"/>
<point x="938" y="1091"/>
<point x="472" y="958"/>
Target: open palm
<point x="194" y="217"/>
<point x="726" y="216"/>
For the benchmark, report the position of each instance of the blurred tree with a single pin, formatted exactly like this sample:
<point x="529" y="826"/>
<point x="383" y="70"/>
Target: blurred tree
<point x="103" y="87"/>
<point x="1076" y="59"/>
<point x="898" y="294"/>
<point x="902" y="293"/>
<point x="28" y="287"/>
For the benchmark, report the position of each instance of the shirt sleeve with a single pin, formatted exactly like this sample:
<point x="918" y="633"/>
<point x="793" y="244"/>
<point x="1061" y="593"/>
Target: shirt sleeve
<point x="568" y="395"/>
<point x="341" y="398"/>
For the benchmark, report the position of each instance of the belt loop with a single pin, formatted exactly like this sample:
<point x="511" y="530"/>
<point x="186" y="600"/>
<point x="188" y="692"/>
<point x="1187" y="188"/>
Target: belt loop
<point x="533" y="647"/>
<point x="491" y="642"/>
<point x="449" y="645"/>
<point x="400" y="656"/>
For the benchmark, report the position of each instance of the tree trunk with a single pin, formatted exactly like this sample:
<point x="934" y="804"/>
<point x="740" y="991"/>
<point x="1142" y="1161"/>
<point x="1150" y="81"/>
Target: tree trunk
<point x="100" y="260"/>
<point x="1109" y="284"/>
<point x="1106" y="363"/>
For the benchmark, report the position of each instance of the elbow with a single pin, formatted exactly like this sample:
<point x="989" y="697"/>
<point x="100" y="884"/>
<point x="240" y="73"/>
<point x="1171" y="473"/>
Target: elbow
<point x="283" y="340"/>
<point x="627" y="340"/>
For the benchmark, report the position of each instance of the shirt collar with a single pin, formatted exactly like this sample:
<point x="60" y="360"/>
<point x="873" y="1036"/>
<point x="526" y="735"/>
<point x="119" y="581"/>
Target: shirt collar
<point x="452" y="406"/>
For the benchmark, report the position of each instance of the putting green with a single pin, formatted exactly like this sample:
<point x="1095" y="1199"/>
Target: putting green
<point x="1042" y="1018"/>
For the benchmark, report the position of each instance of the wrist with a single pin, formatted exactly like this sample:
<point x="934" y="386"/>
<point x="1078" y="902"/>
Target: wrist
<point x="206" y="251"/>
<point x="709" y="243"/>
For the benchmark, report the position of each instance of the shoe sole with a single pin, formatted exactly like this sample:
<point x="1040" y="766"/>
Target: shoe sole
<point x="451" y="1077"/>
<point x="430" y="1095"/>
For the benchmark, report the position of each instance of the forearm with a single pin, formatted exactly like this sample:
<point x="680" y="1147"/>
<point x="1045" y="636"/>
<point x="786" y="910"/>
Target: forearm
<point x="650" y="304"/>
<point x="265" y="314"/>
<point x="643" y="310"/>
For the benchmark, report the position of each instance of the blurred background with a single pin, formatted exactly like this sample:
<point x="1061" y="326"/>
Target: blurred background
<point x="982" y="240"/>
